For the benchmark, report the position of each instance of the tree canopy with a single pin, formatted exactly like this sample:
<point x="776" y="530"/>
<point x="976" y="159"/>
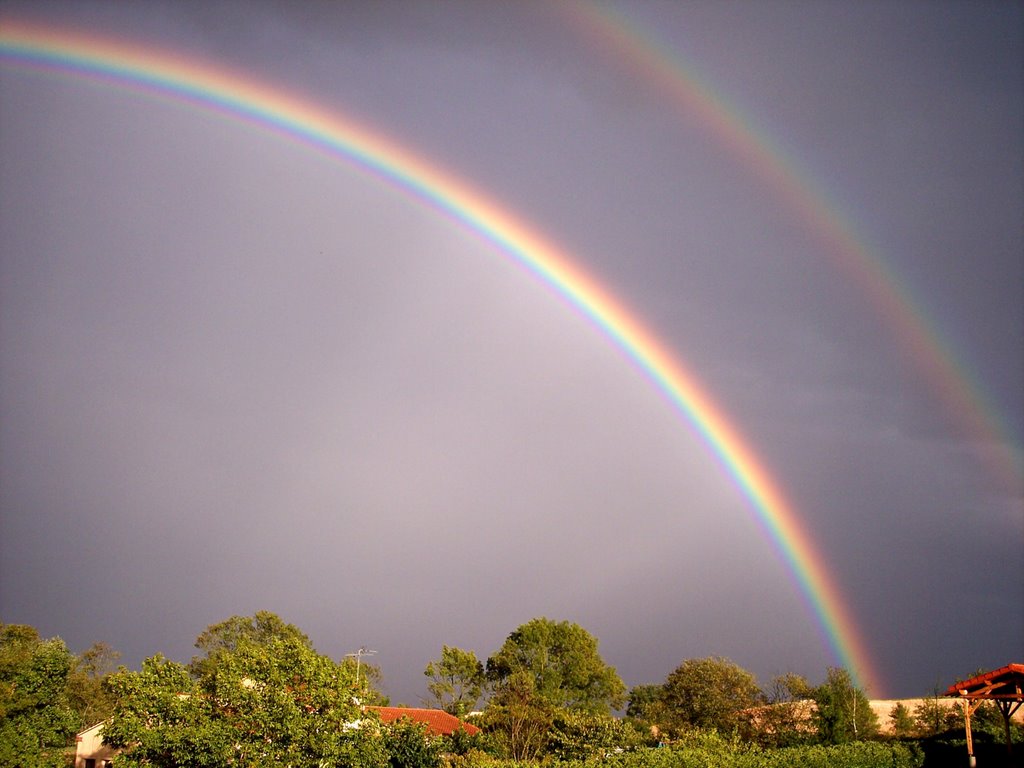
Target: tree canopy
<point x="645" y="703"/>
<point x="457" y="680"/>
<point x="274" y="702"/>
<point x="563" y="663"/>
<point x="843" y="712"/>
<point x="224" y="637"/>
<point x="708" y="693"/>
<point x="36" y="717"/>
<point x="87" y="692"/>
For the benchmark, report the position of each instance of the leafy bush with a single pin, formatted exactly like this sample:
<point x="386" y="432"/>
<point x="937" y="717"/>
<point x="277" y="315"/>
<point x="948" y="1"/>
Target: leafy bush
<point x="585" y="736"/>
<point x="407" y="746"/>
<point x="704" y="749"/>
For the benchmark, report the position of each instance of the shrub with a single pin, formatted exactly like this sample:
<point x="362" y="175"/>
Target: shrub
<point x="701" y="749"/>
<point x="584" y="736"/>
<point x="407" y="746"/>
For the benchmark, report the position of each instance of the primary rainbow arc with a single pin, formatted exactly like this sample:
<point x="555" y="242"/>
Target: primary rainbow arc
<point x="213" y="86"/>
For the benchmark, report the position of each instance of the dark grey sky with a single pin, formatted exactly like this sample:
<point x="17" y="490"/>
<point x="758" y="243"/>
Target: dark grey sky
<point x="238" y="375"/>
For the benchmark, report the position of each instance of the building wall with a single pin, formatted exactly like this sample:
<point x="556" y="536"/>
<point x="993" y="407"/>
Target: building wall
<point x="89" y="746"/>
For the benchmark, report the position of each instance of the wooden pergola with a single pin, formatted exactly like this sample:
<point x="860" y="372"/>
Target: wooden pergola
<point x="1004" y="686"/>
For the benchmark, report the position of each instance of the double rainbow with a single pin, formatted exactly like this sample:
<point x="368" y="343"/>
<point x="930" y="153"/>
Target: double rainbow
<point x="214" y="87"/>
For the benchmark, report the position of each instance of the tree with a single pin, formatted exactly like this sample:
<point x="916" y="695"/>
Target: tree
<point x="517" y="719"/>
<point x="86" y="692"/>
<point x="935" y="715"/>
<point x="902" y="721"/>
<point x="786" y="719"/>
<point x="563" y="662"/>
<point x="224" y="637"/>
<point x="270" y="703"/>
<point x="162" y="718"/>
<point x="36" y="718"/>
<point x="843" y="711"/>
<point x="708" y="693"/>
<point x="645" y="704"/>
<point x="456" y="680"/>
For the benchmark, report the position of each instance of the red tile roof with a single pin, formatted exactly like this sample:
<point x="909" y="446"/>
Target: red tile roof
<point x="438" y="722"/>
<point x="1005" y="683"/>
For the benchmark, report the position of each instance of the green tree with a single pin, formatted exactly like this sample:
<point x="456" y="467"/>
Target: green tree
<point x="563" y="661"/>
<point x="224" y="637"/>
<point x="708" y="693"/>
<point x="902" y="721"/>
<point x="276" y="702"/>
<point x="517" y="719"/>
<point x="645" y="704"/>
<point x="786" y="719"/>
<point x="789" y="687"/>
<point x="86" y="691"/>
<point x="935" y="715"/>
<point x="456" y="680"/>
<point x="36" y="718"/>
<point x="843" y="712"/>
<point x="162" y="718"/>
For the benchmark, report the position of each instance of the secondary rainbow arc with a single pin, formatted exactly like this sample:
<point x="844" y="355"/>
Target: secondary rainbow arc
<point x="213" y="86"/>
<point x="952" y="382"/>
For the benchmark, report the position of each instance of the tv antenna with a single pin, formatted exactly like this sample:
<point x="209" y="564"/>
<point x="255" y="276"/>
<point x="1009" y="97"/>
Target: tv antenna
<point x="363" y="651"/>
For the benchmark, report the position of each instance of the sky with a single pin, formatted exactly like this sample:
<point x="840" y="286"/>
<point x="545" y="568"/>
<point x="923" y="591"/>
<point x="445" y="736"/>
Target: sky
<point x="238" y="373"/>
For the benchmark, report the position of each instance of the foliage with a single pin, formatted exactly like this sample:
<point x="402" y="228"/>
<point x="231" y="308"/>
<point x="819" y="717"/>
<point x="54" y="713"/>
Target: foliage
<point x="457" y="680"/>
<point x="902" y="722"/>
<point x="162" y="719"/>
<point x="36" y="717"/>
<point x="709" y="749"/>
<point x="86" y="691"/>
<point x="708" y="693"/>
<point x="272" y="702"/>
<point x="789" y="687"/>
<point x="407" y="746"/>
<point x="369" y="678"/>
<point x="462" y="742"/>
<point x="859" y="754"/>
<point x="225" y="636"/>
<point x="645" y="703"/>
<point x="518" y="720"/>
<point x="935" y="715"/>
<point x="843" y="712"/>
<point x="588" y="736"/>
<point x="786" y="718"/>
<point x="563" y="661"/>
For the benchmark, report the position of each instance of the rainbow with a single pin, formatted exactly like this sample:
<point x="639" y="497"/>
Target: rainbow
<point x="952" y="382"/>
<point x="212" y="86"/>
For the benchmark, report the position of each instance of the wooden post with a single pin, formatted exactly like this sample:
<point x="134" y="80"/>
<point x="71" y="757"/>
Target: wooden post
<point x="971" y="761"/>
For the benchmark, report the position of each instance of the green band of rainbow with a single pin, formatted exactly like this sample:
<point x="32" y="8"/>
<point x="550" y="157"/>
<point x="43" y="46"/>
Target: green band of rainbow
<point x="212" y="86"/>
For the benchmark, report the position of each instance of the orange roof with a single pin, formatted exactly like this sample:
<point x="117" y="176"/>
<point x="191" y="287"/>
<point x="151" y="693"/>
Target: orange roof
<point x="1003" y="683"/>
<point x="438" y="722"/>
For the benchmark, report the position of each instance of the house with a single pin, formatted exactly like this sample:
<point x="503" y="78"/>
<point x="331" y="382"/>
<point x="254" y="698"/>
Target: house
<point x="437" y="721"/>
<point x="90" y="751"/>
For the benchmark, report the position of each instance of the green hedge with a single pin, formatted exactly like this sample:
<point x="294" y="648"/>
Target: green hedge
<point x="713" y="751"/>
